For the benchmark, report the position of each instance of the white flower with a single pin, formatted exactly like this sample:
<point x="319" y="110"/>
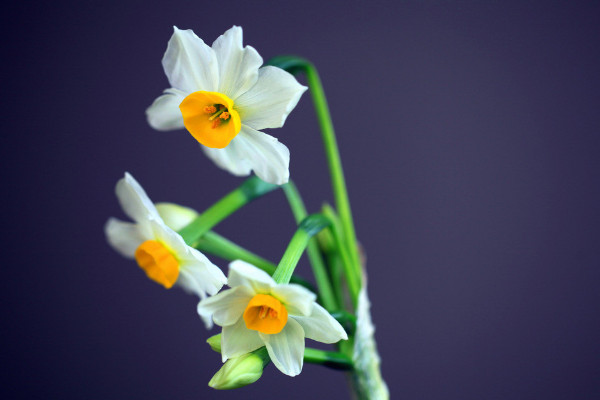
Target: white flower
<point x="159" y="250"/>
<point x="223" y="98"/>
<point x="258" y="312"/>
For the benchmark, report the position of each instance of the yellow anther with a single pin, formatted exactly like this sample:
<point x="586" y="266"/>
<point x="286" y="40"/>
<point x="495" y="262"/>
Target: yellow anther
<point x="210" y="109"/>
<point x="215" y="115"/>
<point x="225" y="115"/>
<point x="265" y="314"/>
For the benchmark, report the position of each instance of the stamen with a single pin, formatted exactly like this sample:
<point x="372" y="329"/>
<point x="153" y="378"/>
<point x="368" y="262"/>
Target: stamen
<point x="210" y="109"/>
<point x="272" y="313"/>
<point x="216" y="123"/>
<point x="225" y="115"/>
<point x="263" y="312"/>
<point x="217" y="114"/>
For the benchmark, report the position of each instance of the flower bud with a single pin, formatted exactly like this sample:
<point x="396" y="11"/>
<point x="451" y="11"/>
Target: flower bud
<point x="239" y="371"/>
<point x="215" y="342"/>
<point x="175" y="216"/>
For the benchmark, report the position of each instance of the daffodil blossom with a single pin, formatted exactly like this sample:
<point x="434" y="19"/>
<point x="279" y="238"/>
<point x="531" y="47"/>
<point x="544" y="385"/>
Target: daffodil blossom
<point x="258" y="312"/>
<point x="223" y="97"/>
<point x="159" y="250"/>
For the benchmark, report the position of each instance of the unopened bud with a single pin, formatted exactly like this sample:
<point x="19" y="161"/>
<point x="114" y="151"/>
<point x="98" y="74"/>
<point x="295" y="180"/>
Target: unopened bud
<point x="239" y="371"/>
<point x="215" y="342"/>
<point x="175" y="216"/>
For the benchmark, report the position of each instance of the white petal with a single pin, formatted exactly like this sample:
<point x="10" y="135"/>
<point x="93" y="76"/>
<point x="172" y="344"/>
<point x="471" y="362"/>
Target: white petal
<point x="236" y="340"/>
<point x="189" y="63"/>
<point x="242" y="273"/>
<point x="321" y="326"/>
<point x="134" y="200"/>
<point x="175" y="216"/>
<point x="124" y="237"/>
<point x="164" y="113"/>
<point x="269" y="159"/>
<point x="238" y="65"/>
<point x="231" y="158"/>
<point x="268" y="103"/>
<point x="286" y="348"/>
<point x="226" y="307"/>
<point x="171" y="239"/>
<point x="297" y="299"/>
<point x="197" y="274"/>
<point x="200" y="276"/>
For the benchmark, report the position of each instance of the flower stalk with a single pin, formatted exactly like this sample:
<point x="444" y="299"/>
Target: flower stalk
<point x="251" y="189"/>
<point x="215" y="244"/>
<point x="295" y="65"/>
<point x="326" y="294"/>
<point x="309" y="227"/>
<point x="329" y="359"/>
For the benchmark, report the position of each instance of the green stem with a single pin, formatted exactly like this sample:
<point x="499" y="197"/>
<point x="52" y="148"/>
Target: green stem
<point x="249" y="190"/>
<point x="215" y="244"/>
<point x="350" y="269"/>
<point x="329" y="359"/>
<point x="295" y="65"/>
<point x="314" y="255"/>
<point x="309" y="227"/>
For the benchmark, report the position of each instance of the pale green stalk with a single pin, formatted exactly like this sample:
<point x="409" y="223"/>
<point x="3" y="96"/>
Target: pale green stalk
<point x="326" y="294"/>
<point x="309" y="227"/>
<point x="348" y="266"/>
<point x="294" y="65"/>
<point x="331" y="359"/>
<point x="249" y="190"/>
<point x="215" y="244"/>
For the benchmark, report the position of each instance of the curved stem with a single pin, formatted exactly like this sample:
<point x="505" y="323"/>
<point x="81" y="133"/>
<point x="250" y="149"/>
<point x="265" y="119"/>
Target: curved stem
<point x="294" y="65"/>
<point x="215" y="244"/>
<point x="309" y="227"/>
<point x="249" y="190"/>
<point x="316" y="260"/>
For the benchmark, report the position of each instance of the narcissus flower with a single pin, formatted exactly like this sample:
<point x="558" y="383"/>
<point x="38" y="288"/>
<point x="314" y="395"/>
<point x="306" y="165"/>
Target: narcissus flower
<point x="258" y="312"/>
<point x="159" y="250"/>
<point x="223" y="98"/>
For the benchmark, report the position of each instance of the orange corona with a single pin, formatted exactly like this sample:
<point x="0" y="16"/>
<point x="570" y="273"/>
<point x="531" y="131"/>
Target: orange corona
<point x="158" y="263"/>
<point x="265" y="314"/>
<point x="211" y="118"/>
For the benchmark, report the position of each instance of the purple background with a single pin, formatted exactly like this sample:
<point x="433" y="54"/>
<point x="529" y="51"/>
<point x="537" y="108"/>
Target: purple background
<point x="469" y="136"/>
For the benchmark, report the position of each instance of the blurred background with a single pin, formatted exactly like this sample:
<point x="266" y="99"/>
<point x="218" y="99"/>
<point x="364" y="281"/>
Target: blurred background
<point x="469" y="136"/>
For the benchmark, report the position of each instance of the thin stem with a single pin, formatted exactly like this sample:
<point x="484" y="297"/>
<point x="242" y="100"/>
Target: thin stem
<point x="215" y="244"/>
<point x="251" y="189"/>
<point x="309" y="227"/>
<point x="333" y="157"/>
<point x="295" y="65"/>
<point x="352" y="277"/>
<point x="314" y="255"/>
<point x="329" y="359"/>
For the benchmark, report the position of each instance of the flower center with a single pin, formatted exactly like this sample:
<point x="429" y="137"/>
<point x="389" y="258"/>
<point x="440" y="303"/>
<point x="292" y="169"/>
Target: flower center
<point x="158" y="263"/>
<point x="265" y="314"/>
<point x="211" y="118"/>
